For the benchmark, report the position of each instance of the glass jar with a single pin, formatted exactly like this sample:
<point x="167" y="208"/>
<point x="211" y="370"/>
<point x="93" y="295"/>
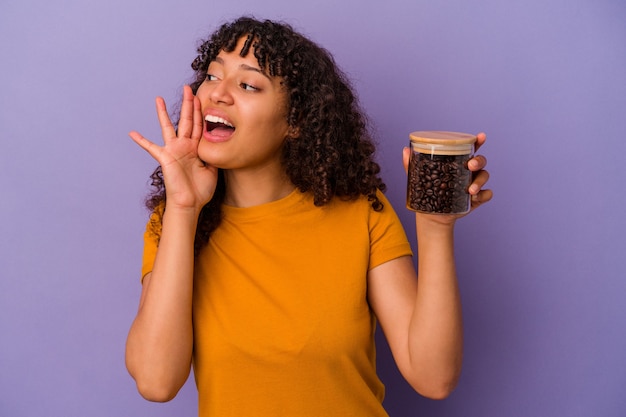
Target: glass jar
<point x="438" y="177"/>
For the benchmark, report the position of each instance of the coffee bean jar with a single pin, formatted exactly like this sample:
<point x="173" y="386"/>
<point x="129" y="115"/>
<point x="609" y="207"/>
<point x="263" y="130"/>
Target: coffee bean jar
<point x="438" y="177"/>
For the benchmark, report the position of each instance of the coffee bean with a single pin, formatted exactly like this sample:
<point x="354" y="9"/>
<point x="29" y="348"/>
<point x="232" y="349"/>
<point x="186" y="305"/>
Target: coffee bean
<point x="438" y="183"/>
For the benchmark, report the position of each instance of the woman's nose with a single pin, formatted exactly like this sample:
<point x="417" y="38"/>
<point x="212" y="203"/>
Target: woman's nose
<point x="221" y="92"/>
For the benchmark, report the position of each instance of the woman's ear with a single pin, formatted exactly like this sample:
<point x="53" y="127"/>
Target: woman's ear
<point x="293" y="132"/>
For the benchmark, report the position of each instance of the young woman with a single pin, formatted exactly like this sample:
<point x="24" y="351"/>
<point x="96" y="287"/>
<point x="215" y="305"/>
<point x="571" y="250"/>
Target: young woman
<point x="272" y="252"/>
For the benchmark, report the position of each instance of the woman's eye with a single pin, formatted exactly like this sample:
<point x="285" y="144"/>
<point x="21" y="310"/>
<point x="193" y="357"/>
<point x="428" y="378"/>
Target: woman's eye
<point x="210" y="77"/>
<point x="249" y="87"/>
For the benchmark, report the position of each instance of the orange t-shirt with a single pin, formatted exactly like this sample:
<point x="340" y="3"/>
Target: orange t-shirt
<point x="282" y="326"/>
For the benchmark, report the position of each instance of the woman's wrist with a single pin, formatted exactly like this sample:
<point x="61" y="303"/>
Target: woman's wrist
<point x="440" y="224"/>
<point x="181" y="216"/>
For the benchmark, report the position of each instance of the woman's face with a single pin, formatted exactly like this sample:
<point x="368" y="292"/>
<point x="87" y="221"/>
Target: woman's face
<point x="244" y="112"/>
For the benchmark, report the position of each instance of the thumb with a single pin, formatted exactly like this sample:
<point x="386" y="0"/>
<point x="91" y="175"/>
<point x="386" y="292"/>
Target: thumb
<point x="148" y="146"/>
<point x="406" y="153"/>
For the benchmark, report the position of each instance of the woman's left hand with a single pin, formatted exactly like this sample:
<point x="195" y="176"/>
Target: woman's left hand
<point x="480" y="176"/>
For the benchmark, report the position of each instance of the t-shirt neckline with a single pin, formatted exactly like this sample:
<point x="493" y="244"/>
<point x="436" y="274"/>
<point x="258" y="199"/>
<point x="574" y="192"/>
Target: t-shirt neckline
<point x="292" y="199"/>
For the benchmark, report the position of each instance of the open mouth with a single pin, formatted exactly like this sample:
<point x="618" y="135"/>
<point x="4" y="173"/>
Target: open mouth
<point x="218" y="126"/>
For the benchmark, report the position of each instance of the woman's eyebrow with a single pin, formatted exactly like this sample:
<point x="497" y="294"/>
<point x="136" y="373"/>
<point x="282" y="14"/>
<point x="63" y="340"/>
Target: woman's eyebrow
<point x="244" y="67"/>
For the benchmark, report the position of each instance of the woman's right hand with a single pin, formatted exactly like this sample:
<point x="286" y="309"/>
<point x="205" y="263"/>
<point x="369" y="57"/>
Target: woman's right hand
<point x="189" y="182"/>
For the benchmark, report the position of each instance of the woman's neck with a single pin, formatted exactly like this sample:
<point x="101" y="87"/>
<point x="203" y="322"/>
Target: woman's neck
<point x="253" y="188"/>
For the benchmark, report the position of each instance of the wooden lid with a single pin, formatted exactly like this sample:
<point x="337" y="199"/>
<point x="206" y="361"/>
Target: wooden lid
<point x="439" y="137"/>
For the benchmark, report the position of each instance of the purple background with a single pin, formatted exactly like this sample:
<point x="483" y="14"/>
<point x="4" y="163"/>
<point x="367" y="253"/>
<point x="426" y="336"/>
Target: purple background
<point x="541" y="267"/>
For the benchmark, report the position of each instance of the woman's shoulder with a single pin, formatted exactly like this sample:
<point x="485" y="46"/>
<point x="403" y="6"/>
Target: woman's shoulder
<point x="366" y="205"/>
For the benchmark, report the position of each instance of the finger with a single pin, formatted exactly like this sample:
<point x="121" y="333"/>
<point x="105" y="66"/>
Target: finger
<point x="480" y="140"/>
<point x="167" y="128"/>
<point x="406" y="153"/>
<point x="480" y="179"/>
<point x="198" y="123"/>
<point x="147" y="145"/>
<point x="185" y="123"/>
<point x="482" y="197"/>
<point x="477" y="163"/>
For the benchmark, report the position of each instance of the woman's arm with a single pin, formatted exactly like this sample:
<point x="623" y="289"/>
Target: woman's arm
<point x="160" y="340"/>
<point x="421" y="317"/>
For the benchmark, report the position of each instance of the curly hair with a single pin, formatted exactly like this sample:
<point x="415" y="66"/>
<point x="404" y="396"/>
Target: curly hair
<point x="332" y="154"/>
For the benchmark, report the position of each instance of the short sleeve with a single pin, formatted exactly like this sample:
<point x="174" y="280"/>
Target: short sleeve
<point x="151" y="241"/>
<point x="387" y="236"/>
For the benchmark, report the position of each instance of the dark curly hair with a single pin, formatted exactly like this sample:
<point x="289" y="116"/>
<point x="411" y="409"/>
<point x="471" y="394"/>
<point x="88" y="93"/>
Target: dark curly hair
<point x="332" y="155"/>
